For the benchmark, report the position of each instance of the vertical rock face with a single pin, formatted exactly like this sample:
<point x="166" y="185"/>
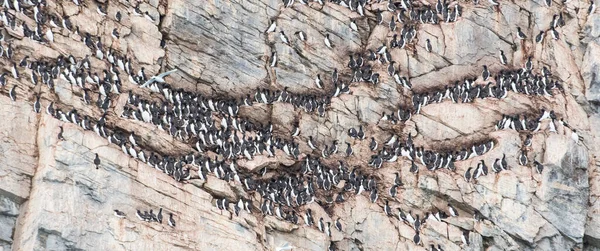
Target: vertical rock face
<point x="53" y="196"/>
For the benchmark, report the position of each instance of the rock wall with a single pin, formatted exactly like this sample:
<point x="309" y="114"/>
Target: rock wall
<point x="53" y="198"/>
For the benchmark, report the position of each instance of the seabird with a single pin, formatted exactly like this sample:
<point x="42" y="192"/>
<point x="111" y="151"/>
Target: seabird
<point x="321" y="226"/>
<point x="538" y="167"/>
<point x="310" y="143"/>
<point x="373" y="144"/>
<point x="60" y="134"/>
<point x="428" y="45"/>
<point x="485" y="74"/>
<point x="397" y="180"/>
<point x="413" y="167"/>
<point x="50" y="109"/>
<point x="353" y="25"/>
<point x="497" y="167"/>
<point x="296" y="131"/>
<point x="101" y="11"/>
<point x="284" y="38"/>
<point x="520" y="33"/>
<point x="503" y="59"/>
<point x="318" y="81"/>
<point x="3" y="75"/>
<point x="301" y="35"/>
<point x="119" y="214"/>
<point x="348" y="150"/>
<point x="467" y="175"/>
<point x="36" y="105"/>
<point x="574" y="136"/>
<point x="361" y="133"/>
<point x="328" y="229"/>
<point x="523" y="158"/>
<point x="452" y="210"/>
<point x="338" y="225"/>
<point x="115" y="33"/>
<point x="555" y="34"/>
<point x="158" y="78"/>
<point x="97" y="161"/>
<point x="273" y="59"/>
<point x="148" y="16"/>
<point x="12" y="93"/>
<point x="272" y="27"/>
<point x="540" y="37"/>
<point x="15" y="71"/>
<point x="159" y="217"/>
<point x="327" y="42"/>
<point x="528" y="140"/>
<point x="417" y="238"/>
<point x="465" y="238"/>
<point x="592" y="7"/>
<point x="387" y="209"/>
<point x="374" y="196"/>
<point x="171" y="220"/>
<point x="140" y="215"/>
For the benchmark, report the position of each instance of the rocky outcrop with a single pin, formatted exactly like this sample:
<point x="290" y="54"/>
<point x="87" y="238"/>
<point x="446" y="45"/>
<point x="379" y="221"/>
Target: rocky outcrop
<point x="53" y="198"/>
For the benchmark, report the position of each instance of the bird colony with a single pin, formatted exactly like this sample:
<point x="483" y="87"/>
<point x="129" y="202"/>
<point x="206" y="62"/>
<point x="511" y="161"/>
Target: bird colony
<point x="283" y="172"/>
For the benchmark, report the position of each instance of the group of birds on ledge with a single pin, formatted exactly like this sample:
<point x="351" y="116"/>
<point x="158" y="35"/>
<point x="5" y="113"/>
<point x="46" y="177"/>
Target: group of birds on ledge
<point x="220" y="137"/>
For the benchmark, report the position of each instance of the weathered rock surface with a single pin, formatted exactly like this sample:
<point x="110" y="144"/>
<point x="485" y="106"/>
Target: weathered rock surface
<point x="52" y="197"/>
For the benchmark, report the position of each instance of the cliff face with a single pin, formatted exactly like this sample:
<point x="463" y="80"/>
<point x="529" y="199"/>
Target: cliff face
<point x="52" y="197"/>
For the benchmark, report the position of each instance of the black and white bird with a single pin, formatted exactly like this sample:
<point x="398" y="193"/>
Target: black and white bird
<point x="554" y="33"/>
<point x="538" y="166"/>
<point x="119" y="214"/>
<point x="101" y="10"/>
<point x="12" y="93"/>
<point x="338" y="225"/>
<point x="311" y="144"/>
<point x="159" y="216"/>
<point x="575" y="137"/>
<point x="523" y="158"/>
<point x="284" y="38"/>
<point x="301" y="35"/>
<point x="428" y="45"/>
<point x="540" y="37"/>
<point x="37" y="106"/>
<point x="467" y="175"/>
<point x="321" y="226"/>
<point x="373" y="145"/>
<point x="349" y="150"/>
<point x="15" y="71"/>
<point x="171" y="220"/>
<point x="272" y="26"/>
<point x="417" y="238"/>
<point x="503" y="59"/>
<point x="453" y="212"/>
<point x="520" y="33"/>
<point x="60" y="134"/>
<point x="115" y="33"/>
<point x="97" y="161"/>
<point x="327" y="41"/>
<point x="485" y="74"/>
<point x="465" y="238"/>
<point x="296" y="131"/>
<point x="353" y="25"/>
<point x="319" y="82"/>
<point x="273" y="62"/>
